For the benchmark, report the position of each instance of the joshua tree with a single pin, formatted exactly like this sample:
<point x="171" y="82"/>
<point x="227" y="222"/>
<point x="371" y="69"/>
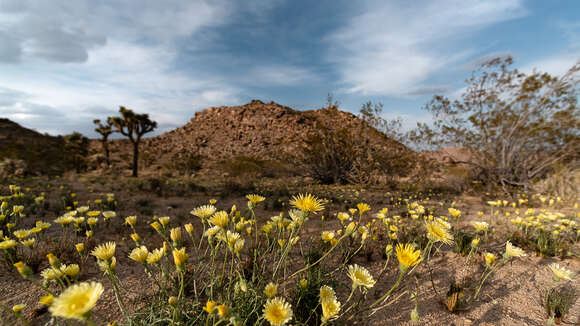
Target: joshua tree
<point x="105" y="130"/>
<point x="134" y="126"/>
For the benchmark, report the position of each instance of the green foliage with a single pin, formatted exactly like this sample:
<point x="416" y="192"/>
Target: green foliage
<point x="559" y="300"/>
<point x="308" y="310"/>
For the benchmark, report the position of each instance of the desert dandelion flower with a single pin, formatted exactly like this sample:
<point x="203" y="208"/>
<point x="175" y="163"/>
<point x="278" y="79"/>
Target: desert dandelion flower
<point x="360" y="276"/>
<point x="18" y="308"/>
<point x="7" y="244"/>
<point x="277" y="311"/>
<point x="220" y="219"/>
<point x="438" y="233"/>
<point x="363" y="207"/>
<point x="155" y="256"/>
<point x="180" y="257"/>
<point x="139" y="254"/>
<point x="203" y="212"/>
<point x="210" y="306"/>
<point x="407" y="256"/>
<point x="330" y="310"/>
<point x="105" y="251"/>
<point x="513" y="251"/>
<point x="454" y="212"/>
<point x="131" y="220"/>
<point x="71" y="270"/>
<point x="271" y="290"/>
<point x="223" y="311"/>
<point x="489" y="258"/>
<point x="77" y="301"/>
<point x="480" y="226"/>
<point x="46" y="300"/>
<point x="175" y="234"/>
<point x="560" y="272"/>
<point x="327" y="293"/>
<point x="255" y="199"/>
<point x="307" y="203"/>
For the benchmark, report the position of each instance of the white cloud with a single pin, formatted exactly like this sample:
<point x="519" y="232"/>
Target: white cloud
<point x="393" y="49"/>
<point x="556" y="65"/>
<point x="116" y="74"/>
<point x="120" y="53"/>
<point x="65" y="31"/>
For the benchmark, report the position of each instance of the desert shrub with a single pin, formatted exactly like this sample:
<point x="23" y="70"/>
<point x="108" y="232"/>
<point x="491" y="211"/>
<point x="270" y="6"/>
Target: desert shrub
<point x="514" y="126"/>
<point x="76" y="151"/>
<point x="330" y="158"/>
<point x="361" y="154"/>
<point x="253" y="167"/>
<point x="185" y="163"/>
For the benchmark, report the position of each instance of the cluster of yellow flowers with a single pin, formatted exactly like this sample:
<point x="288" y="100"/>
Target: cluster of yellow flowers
<point x="235" y="255"/>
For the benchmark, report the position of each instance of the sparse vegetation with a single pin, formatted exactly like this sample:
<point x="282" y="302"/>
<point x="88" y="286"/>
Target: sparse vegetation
<point x="515" y="126"/>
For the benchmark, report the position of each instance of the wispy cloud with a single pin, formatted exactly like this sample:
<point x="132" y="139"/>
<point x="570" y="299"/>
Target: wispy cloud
<point x="393" y="48"/>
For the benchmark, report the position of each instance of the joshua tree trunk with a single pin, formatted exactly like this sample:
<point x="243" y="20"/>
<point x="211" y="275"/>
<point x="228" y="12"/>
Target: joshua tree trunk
<point x="107" y="155"/>
<point x="135" y="158"/>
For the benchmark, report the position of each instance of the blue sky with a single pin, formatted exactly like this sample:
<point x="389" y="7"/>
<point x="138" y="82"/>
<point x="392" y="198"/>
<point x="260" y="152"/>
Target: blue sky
<point x="64" y="63"/>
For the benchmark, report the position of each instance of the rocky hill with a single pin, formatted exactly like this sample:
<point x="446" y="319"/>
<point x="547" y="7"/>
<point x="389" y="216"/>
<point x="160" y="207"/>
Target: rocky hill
<point x="257" y="131"/>
<point x="264" y="131"/>
<point x="24" y="151"/>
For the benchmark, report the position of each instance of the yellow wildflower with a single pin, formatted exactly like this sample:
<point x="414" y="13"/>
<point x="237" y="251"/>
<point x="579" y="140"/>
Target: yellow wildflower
<point x="76" y="301"/>
<point x="277" y="311"/>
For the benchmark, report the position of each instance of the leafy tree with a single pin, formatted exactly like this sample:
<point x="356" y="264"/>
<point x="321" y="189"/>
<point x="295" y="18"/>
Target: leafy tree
<point x="105" y="130"/>
<point x="133" y="126"/>
<point x="515" y="126"/>
<point x="76" y="150"/>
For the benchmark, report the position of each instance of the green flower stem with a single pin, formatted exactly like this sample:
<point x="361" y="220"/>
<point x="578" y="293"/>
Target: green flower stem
<point x="111" y="276"/>
<point x="384" y="297"/>
<point x="319" y="259"/>
<point x="286" y="251"/>
<point x="202" y="235"/>
<point x="485" y="276"/>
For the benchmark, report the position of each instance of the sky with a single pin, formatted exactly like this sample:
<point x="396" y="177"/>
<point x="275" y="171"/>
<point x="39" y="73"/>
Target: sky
<point x="64" y="63"/>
